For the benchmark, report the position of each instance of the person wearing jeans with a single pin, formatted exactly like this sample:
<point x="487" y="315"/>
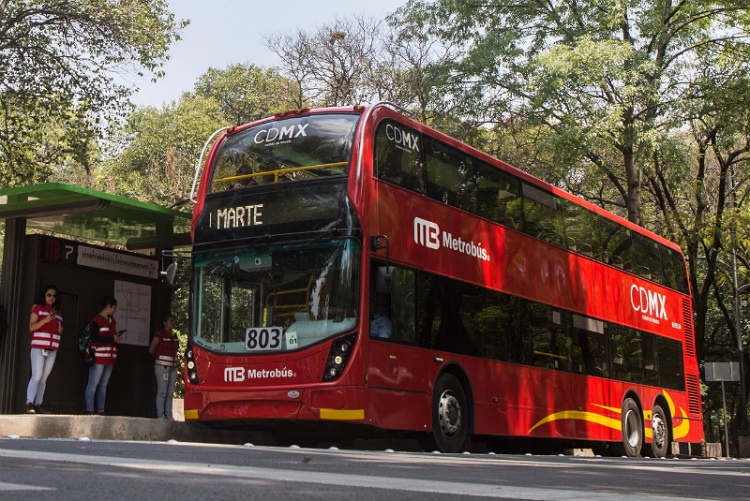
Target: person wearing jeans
<point x="164" y="348"/>
<point x="96" y="389"/>
<point x="46" y="328"/>
<point x="104" y="339"/>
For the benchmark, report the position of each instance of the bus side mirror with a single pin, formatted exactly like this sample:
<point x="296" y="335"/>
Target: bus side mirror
<point x="383" y="280"/>
<point x="169" y="274"/>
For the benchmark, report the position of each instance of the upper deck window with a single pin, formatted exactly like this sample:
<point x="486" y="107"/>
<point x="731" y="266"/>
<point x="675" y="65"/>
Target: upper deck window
<point x="296" y="148"/>
<point x="398" y="155"/>
<point x="423" y="164"/>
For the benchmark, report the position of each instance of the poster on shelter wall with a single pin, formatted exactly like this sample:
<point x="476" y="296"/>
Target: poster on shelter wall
<point x="133" y="312"/>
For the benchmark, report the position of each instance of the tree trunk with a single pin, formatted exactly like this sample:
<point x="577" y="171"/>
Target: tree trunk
<point x="633" y="179"/>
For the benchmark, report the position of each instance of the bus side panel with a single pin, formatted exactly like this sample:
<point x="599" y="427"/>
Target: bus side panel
<point x="399" y="378"/>
<point x="524" y="401"/>
<point x="517" y="400"/>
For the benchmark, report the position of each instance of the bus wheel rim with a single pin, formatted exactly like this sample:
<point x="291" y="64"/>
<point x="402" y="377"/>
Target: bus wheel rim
<point x="632" y="430"/>
<point x="449" y="413"/>
<point x="659" y="430"/>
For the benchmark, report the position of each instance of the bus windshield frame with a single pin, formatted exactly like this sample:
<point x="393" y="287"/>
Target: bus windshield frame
<point x="275" y="298"/>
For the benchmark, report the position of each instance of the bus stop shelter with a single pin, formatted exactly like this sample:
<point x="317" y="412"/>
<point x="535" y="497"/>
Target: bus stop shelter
<point x="90" y="240"/>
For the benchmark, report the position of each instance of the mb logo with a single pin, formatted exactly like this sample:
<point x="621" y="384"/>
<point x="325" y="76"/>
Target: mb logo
<point x="234" y="374"/>
<point x="426" y="233"/>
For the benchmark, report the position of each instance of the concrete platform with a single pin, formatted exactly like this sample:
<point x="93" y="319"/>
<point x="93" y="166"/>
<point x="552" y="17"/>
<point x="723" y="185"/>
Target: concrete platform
<point x="118" y="428"/>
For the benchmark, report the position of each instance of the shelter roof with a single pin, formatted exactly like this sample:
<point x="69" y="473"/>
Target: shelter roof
<point x="94" y="215"/>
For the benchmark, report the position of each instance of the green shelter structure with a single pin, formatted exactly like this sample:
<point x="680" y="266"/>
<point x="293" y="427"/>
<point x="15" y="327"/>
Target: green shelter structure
<point x="89" y="244"/>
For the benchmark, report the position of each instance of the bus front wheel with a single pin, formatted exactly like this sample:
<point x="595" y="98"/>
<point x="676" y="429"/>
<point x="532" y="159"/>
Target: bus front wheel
<point x="659" y="432"/>
<point x="450" y="416"/>
<point x="632" y="429"/>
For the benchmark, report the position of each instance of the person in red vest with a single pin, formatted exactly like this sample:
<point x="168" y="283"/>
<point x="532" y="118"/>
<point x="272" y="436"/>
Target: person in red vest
<point x="164" y="348"/>
<point x="46" y="326"/>
<point x="104" y="339"/>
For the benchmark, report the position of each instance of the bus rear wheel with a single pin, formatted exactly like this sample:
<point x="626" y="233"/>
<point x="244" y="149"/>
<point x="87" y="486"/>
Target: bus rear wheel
<point x="659" y="432"/>
<point x="450" y="417"/>
<point x="632" y="429"/>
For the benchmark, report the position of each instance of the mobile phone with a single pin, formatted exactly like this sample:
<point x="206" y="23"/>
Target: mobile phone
<point x="122" y="332"/>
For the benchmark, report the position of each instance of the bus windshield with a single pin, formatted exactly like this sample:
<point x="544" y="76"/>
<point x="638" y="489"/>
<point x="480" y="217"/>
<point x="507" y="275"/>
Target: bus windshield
<point x="275" y="299"/>
<point x="289" y="149"/>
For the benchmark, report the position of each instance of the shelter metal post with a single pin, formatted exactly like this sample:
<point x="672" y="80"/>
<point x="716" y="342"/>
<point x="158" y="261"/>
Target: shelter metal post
<point x="10" y="285"/>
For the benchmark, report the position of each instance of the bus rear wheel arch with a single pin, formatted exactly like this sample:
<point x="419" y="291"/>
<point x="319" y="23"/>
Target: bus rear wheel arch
<point x="451" y="417"/>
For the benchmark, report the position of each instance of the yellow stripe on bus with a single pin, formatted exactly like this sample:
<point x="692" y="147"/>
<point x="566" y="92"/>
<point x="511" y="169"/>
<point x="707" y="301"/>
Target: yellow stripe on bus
<point x="191" y="414"/>
<point x="343" y="415"/>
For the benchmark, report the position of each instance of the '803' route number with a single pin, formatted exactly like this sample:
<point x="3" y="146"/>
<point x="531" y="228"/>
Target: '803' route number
<point x="263" y="339"/>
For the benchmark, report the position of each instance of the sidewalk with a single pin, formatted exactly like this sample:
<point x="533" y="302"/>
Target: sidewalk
<point x="120" y="428"/>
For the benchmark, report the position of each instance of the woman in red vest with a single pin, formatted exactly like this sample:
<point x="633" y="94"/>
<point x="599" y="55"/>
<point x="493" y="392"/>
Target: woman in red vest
<point x="164" y="348"/>
<point x="46" y="327"/>
<point x="104" y="339"/>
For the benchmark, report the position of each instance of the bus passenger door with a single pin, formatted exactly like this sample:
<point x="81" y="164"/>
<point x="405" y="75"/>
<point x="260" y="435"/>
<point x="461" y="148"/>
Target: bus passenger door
<point x="397" y="379"/>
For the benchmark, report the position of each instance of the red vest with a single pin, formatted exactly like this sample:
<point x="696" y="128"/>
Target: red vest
<point x="47" y="337"/>
<point x="106" y="351"/>
<point x="166" y="350"/>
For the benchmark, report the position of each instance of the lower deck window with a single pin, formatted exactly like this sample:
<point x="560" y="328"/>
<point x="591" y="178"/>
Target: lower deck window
<point x="444" y="314"/>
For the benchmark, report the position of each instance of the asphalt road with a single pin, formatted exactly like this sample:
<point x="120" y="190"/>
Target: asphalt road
<point x="84" y="469"/>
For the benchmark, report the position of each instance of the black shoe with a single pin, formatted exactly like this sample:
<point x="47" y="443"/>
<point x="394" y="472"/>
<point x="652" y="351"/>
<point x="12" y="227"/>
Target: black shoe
<point x="30" y="409"/>
<point x="40" y="410"/>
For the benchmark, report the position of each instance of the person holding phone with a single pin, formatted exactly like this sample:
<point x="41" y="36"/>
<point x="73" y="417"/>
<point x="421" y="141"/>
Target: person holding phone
<point x="164" y="348"/>
<point x="104" y="339"/>
<point x="46" y="328"/>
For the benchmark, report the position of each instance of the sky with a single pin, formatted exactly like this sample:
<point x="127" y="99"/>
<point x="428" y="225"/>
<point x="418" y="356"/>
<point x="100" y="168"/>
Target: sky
<point x="225" y="32"/>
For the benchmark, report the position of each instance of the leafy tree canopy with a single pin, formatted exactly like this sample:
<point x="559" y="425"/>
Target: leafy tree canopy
<point x="605" y="73"/>
<point x="246" y="92"/>
<point x="160" y="150"/>
<point x="155" y="152"/>
<point x="63" y="55"/>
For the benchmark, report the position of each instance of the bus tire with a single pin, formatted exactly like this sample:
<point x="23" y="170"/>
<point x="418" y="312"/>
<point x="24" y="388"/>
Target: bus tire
<point x="660" y="434"/>
<point x="450" y="416"/>
<point x="632" y="429"/>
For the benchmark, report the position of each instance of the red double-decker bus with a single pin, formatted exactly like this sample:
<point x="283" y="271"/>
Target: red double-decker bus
<point x="352" y="265"/>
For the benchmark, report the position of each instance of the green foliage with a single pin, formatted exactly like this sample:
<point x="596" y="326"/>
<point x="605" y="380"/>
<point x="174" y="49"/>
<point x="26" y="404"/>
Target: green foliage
<point x="607" y="74"/>
<point x="162" y="147"/>
<point x="156" y="151"/>
<point x="57" y="59"/>
<point x="246" y="92"/>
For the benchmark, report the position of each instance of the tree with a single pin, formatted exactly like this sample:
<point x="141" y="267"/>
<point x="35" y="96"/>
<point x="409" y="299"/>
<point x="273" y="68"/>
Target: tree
<point x="414" y="72"/>
<point x="62" y="56"/>
<point x="246" y="92"/>
<point x="156" y="151"/>
<point x="160" y="150"/>
<point x="357" y="61"/>
<point x="331" y="66"/>
<point x="604" y="74"/>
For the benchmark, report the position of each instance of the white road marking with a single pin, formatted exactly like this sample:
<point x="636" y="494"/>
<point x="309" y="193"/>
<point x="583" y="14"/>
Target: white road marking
<point x="4" y="486"/>
<point x="339" y="479"/>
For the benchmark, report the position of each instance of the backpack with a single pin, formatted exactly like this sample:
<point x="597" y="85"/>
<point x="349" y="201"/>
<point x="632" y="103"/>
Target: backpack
<point x="84" y="345"/>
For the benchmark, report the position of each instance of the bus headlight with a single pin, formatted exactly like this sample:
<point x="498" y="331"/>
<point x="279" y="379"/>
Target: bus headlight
<point x="338" y="357"/>
<point x="192" y="369"/>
